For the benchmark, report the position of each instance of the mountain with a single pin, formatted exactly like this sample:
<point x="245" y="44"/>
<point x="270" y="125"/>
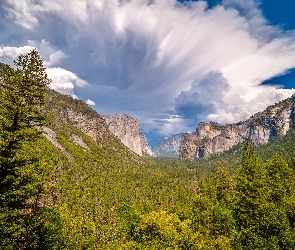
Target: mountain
<point x="169" y="147"/>
<point x="128" y="131"/>
<point x="262" y="127"/>
<point x="73" y="121"/>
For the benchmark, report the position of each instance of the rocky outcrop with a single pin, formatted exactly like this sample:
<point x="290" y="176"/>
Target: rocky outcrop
<point x="128" y="131"/>
<point x="67" y="115"/>
<point x="92" y="124"/>
<point x="169" y="147"/>
<point x="104" y="129"/>
<point x="79" y="141"/>
<point x="214" y="138"/>
<point x="51" y="136"/>
<point x="146" y="149"/>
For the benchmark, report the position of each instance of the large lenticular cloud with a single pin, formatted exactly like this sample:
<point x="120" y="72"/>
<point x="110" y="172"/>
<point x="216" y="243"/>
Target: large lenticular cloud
<point x="156" y="60"/>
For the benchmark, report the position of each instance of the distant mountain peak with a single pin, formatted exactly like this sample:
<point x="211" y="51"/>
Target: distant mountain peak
<point x="169" y="147"/>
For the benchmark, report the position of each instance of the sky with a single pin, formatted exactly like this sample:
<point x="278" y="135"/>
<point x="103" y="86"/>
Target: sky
<point x="170" y="64"/>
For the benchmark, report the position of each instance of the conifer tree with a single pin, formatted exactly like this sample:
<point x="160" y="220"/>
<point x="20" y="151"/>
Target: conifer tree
<point x="22" y="96"/>
<point x="280" y="180"/>
<point x="250" y="187"/>
<point x="222" y="219"/>
<point x="251" y="191"/>
<point x="224" y="185"/>
<point x="263" y="207"/>
<point x="22" y="92"/>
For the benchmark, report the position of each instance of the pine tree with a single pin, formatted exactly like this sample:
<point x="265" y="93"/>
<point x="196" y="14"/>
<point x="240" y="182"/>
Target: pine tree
<point x="224" y="185"/>
<point x="250" y="196"/>
<point x="222" y="220"/>
<point x="264" y="207"/>
<point x="22" y="96"/>
<point x="280" y="179"/>
<point x="22" y="93"/>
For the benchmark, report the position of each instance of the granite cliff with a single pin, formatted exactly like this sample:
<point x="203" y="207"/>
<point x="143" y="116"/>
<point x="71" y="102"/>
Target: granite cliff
<point x="169" y="147"/>
<point x="262" y="127"/>
<point x="106" y="131"/>
<point x="127" y="130"/>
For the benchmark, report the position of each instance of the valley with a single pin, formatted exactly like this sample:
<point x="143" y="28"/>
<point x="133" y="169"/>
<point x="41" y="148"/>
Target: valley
<point x="80" y="180"/>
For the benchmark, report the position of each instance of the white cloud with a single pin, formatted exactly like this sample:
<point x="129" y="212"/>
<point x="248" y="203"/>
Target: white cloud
<point x="64" y="81"/>
<point x="150" y="54"/>
<point x="8" y="54"/>
<point x="55" y="58"/>
<point x="89" y="102"/>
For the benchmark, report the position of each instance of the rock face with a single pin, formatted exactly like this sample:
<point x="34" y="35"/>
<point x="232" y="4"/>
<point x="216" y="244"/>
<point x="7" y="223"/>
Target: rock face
<point x="79" y="141"/>
<point x="92" y="125"/>
<point x="214" y="138"/>
<point x="127" y="130"/>
<point x="146" y="149"/>
<point x="169" y="147"/>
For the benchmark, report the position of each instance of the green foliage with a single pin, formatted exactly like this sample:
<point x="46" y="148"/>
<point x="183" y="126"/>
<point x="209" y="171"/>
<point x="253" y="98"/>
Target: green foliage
<point x="159" y="230"/>
<point x="22" y="95"/>
<point x="22" y="172"/>
<point x="110" y="203"/>
<point x="260" y="207"/>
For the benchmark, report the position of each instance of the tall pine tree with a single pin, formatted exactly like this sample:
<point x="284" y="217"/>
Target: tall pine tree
<point x="22" y="97"/>
<point x="264" y="207"/>
<point x="22" y="93"/>
<point x="251" y="191"/>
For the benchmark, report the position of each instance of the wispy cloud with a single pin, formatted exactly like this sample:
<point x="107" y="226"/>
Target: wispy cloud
<point x="166" y="63"/>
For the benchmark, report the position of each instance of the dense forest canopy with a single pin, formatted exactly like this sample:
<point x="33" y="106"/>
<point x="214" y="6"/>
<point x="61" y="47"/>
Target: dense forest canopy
<point x="109" y="198"/>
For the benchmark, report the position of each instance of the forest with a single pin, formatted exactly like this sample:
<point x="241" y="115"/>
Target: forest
<point x="110" y="198"/>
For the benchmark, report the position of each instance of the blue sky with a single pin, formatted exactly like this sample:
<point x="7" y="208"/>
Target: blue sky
<point x="168" y="64"/>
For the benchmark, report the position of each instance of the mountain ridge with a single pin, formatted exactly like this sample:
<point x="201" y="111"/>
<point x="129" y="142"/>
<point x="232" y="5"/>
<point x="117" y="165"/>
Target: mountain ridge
<point x="262" y="127"/>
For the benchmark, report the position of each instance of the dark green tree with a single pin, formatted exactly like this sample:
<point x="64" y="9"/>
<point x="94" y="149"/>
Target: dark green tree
<point x="250" y="196"/>
<point x="263" y="207"/>
<point x="21" y="100"/>
<point x="22" y="93"/>
<point x="280" y="179"/>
